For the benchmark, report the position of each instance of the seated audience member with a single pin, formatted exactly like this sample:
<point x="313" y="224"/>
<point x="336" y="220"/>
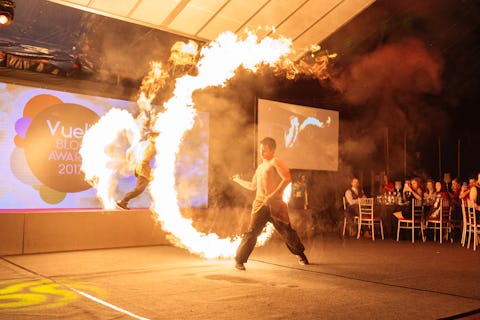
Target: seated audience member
<point x="440" y="194"/>
<point x="455" y="193"/>
<point x="475" y="196"/>
<point x="351" y="196"/>
<point x="429" y="194"/>
<point x="465" y="189"/>
<point x="455" y="201"/>
<point x="412" y="189"/>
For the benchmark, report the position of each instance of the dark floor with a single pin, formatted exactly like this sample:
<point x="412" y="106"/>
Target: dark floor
<point x="347" y="279"/>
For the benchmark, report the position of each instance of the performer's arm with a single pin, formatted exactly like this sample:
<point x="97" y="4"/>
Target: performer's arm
<point x="250" y="185"/>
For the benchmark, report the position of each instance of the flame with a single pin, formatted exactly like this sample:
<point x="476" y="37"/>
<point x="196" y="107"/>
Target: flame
<point x="214" y="69"/>
<point x="266" y="234"/>
<point x="184" y="53"/>
<point x="99" y="162"/>
<point x="154" y="81"/>
<point x="287" y="193"/>
<point x="217" y="63"/>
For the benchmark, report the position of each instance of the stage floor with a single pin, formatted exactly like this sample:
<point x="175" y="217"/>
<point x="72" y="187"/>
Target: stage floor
<point x="347" y="279"/>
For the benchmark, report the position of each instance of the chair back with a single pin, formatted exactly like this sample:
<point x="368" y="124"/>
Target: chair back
<point x="417" y="210"/>
<point x="471" y="215"/>
<point x="366" y="217"/>
<point x="365" y="208"/>
<point x="465" y="217"/>
<point x="445" y="211"/>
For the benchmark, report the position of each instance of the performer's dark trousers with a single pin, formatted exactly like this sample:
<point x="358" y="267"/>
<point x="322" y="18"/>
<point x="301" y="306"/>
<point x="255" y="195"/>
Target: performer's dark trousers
<point x="258" y="221"/>
<point x="142" y="183"/>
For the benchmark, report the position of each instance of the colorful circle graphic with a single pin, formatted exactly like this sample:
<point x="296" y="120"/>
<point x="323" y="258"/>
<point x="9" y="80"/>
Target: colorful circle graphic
<point x="49" y="195"/>
<point x="52" y="142"/>
<point x="39" y="103"/>
<point x="18" y="163"/>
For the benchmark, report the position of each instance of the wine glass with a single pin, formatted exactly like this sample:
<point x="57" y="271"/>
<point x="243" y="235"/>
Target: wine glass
<point x="398" y="186"/>
<point x="407" y="191"/>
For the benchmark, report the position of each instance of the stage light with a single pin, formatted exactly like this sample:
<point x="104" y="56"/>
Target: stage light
<point x="6" y="12"/>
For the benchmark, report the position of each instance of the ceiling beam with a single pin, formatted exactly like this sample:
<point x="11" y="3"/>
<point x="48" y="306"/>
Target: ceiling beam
<point x="175" y="12"/>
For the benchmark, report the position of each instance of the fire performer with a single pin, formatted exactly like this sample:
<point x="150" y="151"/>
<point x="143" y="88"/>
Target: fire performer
<point x="142" y="171"/>
<point x="270" y="179"/>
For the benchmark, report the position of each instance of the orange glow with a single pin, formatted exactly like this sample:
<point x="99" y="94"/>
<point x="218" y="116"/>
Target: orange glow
<point x="4" y="20"/>
<point x="217" y="63"/>
<point x="99" y="160"/>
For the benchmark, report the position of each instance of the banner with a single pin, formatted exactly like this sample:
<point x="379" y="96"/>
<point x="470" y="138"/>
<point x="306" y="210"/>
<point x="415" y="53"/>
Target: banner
<point x="41" y="133"/>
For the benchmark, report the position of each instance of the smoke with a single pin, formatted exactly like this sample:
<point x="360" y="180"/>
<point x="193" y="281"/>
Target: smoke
<point x="391" y="88"/>
<point x="231" y="139"/>
<point x="395" y="70"/>
<point x="125" y="53"/>
<point x="420" y="81"/>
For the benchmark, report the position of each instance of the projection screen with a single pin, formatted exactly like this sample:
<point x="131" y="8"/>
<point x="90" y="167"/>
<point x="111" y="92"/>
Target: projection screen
<point x="307" y="137"/>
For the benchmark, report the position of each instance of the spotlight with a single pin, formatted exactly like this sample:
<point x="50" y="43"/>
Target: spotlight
<point x="6" y="12"/>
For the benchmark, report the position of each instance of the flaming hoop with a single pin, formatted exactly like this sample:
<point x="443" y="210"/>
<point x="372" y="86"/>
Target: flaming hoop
<point x="217" y="64"/>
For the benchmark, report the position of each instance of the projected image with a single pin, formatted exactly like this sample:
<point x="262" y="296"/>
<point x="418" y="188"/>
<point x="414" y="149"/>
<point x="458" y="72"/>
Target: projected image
<point x="307" y="138"/>
<point x="41" y="133"/>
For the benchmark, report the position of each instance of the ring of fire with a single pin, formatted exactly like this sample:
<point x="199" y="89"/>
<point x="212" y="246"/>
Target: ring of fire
<point x="217" y="64"/>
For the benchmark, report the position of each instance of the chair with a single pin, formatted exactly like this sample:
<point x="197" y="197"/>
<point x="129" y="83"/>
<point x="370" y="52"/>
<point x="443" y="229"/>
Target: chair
<point x="345" y="220"/>
<point x="366" y="217"/>
<point x="473" y="226"/>
<point x="456" y="220"/>
<point x="440" y="222"/>
<point x="415" y="222"/>
<point x="465" y="223"/>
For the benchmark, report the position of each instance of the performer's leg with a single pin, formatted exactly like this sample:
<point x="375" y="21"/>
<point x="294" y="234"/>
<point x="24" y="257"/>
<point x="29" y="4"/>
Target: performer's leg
<point x="257" y="223"/>
<point x="140" y="186"/>
<point x="290" y="237"/>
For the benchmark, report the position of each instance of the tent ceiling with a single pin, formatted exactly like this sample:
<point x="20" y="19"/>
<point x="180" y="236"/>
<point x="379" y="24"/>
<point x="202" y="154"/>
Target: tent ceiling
<point x="306" y="22"/>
